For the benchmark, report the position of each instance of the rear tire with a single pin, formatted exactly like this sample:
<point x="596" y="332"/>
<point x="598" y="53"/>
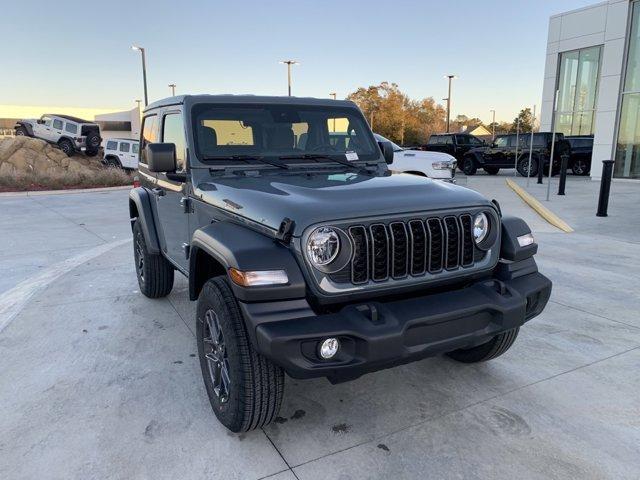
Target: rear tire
<point x="67" y="147"/>
<point x="469" y="166"/>
<point x="249" y="394"/>
<point x="491" y="170"/>
<point x="487" y="351"/>
<point x="154" y="272"/>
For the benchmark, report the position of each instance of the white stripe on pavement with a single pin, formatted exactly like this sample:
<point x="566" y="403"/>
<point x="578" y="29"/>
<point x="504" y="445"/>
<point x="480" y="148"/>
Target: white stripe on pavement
<point x="13" y="301"/>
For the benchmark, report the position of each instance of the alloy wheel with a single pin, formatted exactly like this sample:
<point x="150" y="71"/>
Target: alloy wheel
<point x="216" y="355"/>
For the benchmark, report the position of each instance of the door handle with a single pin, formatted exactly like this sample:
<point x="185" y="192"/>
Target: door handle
<point x="159" y="192"/>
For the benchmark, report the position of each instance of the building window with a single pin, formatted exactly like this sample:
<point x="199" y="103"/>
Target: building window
<point x="627" y="157"/>
<point x="578" y="91"/>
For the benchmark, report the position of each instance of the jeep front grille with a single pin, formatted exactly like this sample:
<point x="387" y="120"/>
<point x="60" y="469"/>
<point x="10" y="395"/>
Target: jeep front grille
<point x="414" y="248"/>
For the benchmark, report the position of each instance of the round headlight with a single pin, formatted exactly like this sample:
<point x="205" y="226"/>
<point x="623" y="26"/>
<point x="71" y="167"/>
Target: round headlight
<point x="323" y="246"/>
<point x="480" y="227"/>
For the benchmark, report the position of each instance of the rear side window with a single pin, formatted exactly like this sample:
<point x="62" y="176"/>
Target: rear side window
<point x="57" y="124"/>
<point x="71" y="127"/>
<point x="149" y="133"/>
<point x="111" y="145"/>
<point x="124" y="147"/>
<point x="434" y="140"/>
<point x="135" y="148"/>
<point x="173" y="132"/>
<point x="502" y="142"/>
<point x="447" y="140"/>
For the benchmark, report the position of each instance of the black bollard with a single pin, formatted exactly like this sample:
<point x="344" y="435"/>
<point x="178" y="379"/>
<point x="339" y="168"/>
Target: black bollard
<point x="605" y="188"/>
<point x="563" y="173"/>
<point x="540" y="171"/>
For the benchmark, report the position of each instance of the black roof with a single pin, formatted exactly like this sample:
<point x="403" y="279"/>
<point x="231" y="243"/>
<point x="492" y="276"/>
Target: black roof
<point x="246" y="99"/>
<point x="69" y="117"/>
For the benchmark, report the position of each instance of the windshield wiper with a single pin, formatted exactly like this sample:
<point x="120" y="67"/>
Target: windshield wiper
<point x="315" y="156"/>
<point x="246" y="158"/>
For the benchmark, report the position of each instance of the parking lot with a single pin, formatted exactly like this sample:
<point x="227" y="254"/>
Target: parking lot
<point x="97" y="381"/>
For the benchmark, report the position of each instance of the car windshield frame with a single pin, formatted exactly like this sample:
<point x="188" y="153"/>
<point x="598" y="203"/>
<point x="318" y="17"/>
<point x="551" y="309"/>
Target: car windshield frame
<point x="263" y="119"/>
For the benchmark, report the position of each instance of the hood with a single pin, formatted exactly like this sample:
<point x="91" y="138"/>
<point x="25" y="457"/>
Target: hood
<point x="430" y="155"/>
<point x="310" y="199"/>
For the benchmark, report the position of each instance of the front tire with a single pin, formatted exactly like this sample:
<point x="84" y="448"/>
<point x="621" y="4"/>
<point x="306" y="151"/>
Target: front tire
<point x="487" y="351"/>
<point x="21" y="132"/>
<point x="469" y="166"/>
<point x="580" y="167"/>
<point x="154" y="272"/>
<point x="523" y="166"/>
<point x="91" y="152"/>
<point x="112" y="162"/>
<point x="245" y="389"/>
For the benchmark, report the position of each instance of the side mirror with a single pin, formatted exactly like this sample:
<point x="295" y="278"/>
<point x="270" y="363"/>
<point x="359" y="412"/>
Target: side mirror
<point x="387" y="151"/>
<point x="161" y="157"/>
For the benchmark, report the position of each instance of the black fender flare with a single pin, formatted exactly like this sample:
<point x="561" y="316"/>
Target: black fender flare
<point x="510" y="249"/>
<point x="477" y="159"/>
<point x="27" y="126"/>
<point x="140" y="209"/>
<point x="235" y="246"/>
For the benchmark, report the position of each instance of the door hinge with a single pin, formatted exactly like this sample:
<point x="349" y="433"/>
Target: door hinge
<point x="186" y="204"/>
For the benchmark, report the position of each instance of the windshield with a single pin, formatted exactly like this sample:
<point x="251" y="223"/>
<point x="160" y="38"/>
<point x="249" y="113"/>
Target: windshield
<point x="380" y="138"/>
<point x="294" y="133"/>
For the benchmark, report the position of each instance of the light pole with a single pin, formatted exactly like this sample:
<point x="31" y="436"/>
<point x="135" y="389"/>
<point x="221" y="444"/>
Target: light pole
<point x="288" y="63"/>
<point x="450" y="77"/>
<point x="144" y="72"/>
<point x="172" y="86"/>
<point x="493" y="125"/>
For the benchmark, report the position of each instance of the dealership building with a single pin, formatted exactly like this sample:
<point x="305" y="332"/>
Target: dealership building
<point x="592" y="77"/>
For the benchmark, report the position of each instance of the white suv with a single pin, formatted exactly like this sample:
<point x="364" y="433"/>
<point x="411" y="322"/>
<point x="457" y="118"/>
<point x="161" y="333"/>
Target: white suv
<point x="121" y="153"/>
<point x="71" y="134"/>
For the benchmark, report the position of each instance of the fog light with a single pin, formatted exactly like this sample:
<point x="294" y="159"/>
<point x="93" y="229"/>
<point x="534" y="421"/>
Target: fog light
<point x="329" y="348"/>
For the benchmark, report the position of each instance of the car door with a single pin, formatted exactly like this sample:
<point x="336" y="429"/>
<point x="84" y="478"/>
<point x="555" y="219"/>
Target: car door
<point x="173" y="204"/>
<point x="57" y="127"/>
<point x="42" y="128"/>
<point x="124" y="149"/>
<point x="495" y="154"/>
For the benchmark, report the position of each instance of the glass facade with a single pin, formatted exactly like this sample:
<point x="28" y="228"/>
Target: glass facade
<point x="627" y="160"/>
<point x="578" y="90"/>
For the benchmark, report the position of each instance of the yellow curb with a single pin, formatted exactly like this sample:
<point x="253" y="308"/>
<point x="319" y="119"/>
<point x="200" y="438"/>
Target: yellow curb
<point x="543" y="211"/>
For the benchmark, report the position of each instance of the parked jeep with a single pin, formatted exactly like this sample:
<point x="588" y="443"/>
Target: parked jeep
<point x="501" y="153"/>
<point x="121" y="153"/>
<point x="71" y="134"/>
<point x="454" y="144"/>
<point x="312" y="260"/>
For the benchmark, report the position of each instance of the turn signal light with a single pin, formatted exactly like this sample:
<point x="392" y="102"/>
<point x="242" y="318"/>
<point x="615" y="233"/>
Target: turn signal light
<point x="257" y="278"/>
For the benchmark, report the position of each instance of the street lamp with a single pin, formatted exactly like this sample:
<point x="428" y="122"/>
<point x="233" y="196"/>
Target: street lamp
<point x="450" y="77"/>
<point x="144" y="72"/>
<point x="288" y="63"/>
<point x="172" y="86"/>
<point x="493" y="125"/>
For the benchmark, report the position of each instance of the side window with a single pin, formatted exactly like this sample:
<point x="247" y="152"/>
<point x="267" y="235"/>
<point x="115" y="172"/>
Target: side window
<point x="149" y="133"/>
<point x="71" y="128"/>
<point x="57" y="124"/>
<point x="447" y="140"/>
<point x="173" y="132"/>
<point x="433" y="140"/>
<point x="111" y="145"/>
<point x="462" y="140"/>
<point x="135" y="148"/>
<point x="502" y="142"/>
<point x="124" y="147"/>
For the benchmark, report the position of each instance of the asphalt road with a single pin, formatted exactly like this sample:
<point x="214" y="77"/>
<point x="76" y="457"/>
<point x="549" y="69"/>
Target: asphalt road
<point x="97" y="381"/>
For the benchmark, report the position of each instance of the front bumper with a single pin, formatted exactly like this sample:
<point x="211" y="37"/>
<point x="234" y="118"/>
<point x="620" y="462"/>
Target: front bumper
<point x="377" y="335"/>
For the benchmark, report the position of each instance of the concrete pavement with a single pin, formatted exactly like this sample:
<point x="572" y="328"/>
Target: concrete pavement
<point x="97" y="381"/>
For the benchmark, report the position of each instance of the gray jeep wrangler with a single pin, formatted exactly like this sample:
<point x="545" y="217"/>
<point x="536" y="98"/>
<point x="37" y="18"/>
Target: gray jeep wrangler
<point x="313" y="259"/>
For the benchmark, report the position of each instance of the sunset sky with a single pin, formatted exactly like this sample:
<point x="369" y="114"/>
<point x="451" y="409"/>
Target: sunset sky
<point x="75" y="54"/>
